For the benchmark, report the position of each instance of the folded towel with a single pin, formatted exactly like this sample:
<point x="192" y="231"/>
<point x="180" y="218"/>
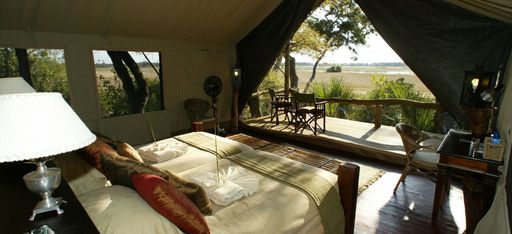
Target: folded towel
<point x="160" y="152"/>
<point x="233" y="184"/>
<point x="226" y="194"/>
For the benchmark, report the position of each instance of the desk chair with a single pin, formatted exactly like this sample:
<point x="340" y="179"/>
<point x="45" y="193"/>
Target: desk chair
<point x="420" y="151"/>
<point x="307" y="112"/>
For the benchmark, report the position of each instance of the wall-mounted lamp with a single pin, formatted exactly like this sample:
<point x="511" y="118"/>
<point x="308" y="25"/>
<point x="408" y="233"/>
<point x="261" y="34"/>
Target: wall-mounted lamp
<point x="475" y="83"/>
<point x="236" y="74"/>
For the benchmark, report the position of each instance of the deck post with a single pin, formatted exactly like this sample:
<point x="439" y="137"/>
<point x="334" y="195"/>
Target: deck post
<point x="378" y="116"/>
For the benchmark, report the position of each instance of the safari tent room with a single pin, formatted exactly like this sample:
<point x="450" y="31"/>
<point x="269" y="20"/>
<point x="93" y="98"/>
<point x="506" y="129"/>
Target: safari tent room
<point x="438" y="39"/>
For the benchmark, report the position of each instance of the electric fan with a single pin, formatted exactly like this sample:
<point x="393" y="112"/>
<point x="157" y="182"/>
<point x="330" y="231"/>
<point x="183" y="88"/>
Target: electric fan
<point x="212" y="87"/>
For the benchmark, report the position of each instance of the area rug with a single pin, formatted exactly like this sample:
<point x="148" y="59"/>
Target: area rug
<point x="367" y="174"/>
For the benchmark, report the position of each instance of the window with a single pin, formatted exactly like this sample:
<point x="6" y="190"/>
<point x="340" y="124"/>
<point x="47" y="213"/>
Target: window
<point x="44" y="68"/>
<point x="128" y="82"/>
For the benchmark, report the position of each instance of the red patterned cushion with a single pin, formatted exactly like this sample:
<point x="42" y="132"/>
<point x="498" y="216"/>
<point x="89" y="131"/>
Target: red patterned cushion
<point x="170" y="203"/>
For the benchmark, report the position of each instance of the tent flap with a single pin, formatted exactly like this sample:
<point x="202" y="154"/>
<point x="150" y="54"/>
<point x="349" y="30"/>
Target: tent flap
<point x="440" y="41"/>
<point x="257" y="51"/>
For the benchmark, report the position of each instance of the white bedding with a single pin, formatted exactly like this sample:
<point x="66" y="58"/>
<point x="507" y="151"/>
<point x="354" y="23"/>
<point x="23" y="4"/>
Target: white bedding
<point x="274" y="208"/>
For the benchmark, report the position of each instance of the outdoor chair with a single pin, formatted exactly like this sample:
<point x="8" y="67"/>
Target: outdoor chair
<point x="278" y="102"/>
<point x="420" y="150"/>
<point x="307" y="112"/>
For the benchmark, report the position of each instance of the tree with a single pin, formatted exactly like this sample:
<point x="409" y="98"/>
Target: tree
<point x="43" y="69"/>
<point x="336" y="23"/>
<point x="138" y="92"/>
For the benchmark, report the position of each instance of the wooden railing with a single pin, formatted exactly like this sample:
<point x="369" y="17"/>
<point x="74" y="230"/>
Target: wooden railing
<point x="378" y="105"/>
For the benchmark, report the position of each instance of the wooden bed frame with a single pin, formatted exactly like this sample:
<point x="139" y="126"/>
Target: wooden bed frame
<point x="348" y="177"/>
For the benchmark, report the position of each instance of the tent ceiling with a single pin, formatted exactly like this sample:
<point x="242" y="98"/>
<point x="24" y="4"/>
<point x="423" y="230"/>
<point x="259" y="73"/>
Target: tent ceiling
<point x="222" y="22"/>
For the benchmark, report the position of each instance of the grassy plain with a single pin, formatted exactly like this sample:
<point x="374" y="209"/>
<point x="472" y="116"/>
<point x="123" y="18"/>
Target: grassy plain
<point x="359" y="77"/>
<point x="107" y="72"/>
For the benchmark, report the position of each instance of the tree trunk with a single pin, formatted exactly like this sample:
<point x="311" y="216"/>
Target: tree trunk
<point x="254" y="106"/>
<point x="137" y="96"/>
<point x="294" y="79"/>
<point x="313" y="74"/>
<point x="23" y="65"/>
<point x="312" y="78"/>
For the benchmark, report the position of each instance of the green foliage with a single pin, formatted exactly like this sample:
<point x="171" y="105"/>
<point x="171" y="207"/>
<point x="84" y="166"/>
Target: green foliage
<point x="384" y="89"/>
<point x="273" y="80"/>
<point x="334" y="69"/>
<point x="47" y="68"/>
<point x="8" y="63"/>
<point x="114" y="101"/>
<point x="112" y="97"/>
<point x="399" y="89"/>
<point x="48" y="73"/>
<point x="335" y="89"/>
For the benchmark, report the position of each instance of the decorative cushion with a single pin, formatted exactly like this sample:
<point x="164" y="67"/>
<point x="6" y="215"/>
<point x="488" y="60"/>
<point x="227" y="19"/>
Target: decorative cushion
<point x="92" y="153"/>
<point x="126" y="150"/>
<point x="119" y="170"/>
<point x="167" y="200"/>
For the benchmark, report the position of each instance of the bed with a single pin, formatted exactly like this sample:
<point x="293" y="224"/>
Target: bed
<point x="276" y="207"/>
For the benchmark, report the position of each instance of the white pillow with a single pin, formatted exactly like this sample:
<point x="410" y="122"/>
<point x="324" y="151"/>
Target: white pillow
<point x="118" y="209"/>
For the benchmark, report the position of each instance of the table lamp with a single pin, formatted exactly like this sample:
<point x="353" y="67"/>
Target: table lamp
<point x="36" y="126"/>
<point x="15" y="85"/>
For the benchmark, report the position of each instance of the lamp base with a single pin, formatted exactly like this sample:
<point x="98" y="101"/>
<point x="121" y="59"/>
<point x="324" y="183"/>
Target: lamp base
<point x="47" y="205"/>
<point x="43" y="181"/>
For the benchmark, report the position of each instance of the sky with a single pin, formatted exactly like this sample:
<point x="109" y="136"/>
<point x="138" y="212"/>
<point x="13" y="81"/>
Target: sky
<point x="101" y="56"/>
<point x="375" y="51"/>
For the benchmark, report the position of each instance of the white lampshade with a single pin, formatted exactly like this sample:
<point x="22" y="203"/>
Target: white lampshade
<point x="15" y="85"/>
<point x="35" y="125"/>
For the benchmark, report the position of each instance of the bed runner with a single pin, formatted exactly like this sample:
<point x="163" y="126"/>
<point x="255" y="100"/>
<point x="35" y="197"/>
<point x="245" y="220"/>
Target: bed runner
<point x="317" y="187"/>
<point x="208" y="143"/>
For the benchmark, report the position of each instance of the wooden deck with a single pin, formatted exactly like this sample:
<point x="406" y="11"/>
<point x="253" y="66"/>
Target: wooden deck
<point x="360" y="138"/>
<point x="409" y="210"/>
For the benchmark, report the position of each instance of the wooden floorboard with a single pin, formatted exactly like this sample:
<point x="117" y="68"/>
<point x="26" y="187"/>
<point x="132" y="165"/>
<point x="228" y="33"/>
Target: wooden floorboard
<point x="382" y="143"/>
<point x="407" y="211"/>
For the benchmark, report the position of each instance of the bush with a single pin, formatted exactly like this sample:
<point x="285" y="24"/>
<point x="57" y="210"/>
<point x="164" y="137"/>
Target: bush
<point x="334" y="69"/>
<point x="334" y="89"/>
<point x="399" y="89"/>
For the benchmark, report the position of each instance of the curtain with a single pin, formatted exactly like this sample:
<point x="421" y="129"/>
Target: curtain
<point x="439" y="42"/>
<point x="257" y="51"/>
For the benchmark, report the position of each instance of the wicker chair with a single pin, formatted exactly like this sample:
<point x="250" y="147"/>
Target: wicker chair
<point x="420" y="150"/>
<point x="197" y="111"/>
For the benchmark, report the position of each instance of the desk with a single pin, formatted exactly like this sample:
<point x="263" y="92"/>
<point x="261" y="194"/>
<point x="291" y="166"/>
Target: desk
<point x="479" y="177"/>
<point x="18" y="202"/>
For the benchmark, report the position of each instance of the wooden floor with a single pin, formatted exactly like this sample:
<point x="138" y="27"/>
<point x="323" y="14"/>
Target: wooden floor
<point x="407" y="211"/>
<point x="362" y="138"/>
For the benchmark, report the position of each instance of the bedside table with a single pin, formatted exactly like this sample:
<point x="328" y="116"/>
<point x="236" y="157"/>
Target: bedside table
<point x="17" y="203"/>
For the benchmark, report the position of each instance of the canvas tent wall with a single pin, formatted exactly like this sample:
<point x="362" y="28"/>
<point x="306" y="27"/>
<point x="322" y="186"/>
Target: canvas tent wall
<point x="196" y="39"/>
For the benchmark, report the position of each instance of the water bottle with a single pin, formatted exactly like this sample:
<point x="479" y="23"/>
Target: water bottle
<point x="495" y="138"/>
